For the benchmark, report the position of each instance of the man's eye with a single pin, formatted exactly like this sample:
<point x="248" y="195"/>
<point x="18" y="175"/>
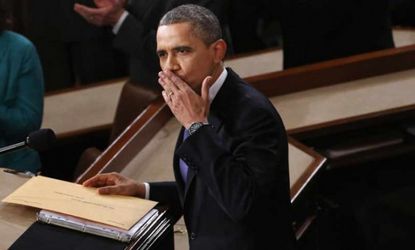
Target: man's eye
<point x="161" y="54"/>
<point x="182" y="51"/>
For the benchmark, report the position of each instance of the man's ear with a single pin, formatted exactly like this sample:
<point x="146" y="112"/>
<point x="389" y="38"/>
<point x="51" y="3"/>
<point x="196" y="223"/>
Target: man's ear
<point x="219" y="48"/>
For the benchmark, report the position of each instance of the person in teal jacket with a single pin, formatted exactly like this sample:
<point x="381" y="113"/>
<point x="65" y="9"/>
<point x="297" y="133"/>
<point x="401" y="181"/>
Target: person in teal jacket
<point x="21" y="96"/>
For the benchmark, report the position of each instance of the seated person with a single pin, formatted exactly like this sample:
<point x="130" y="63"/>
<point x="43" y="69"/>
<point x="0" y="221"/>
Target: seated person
<point x="21" y="96"/>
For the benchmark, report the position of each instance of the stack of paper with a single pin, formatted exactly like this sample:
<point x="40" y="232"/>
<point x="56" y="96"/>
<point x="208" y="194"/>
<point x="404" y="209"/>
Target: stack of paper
<point x="74" y="206"/>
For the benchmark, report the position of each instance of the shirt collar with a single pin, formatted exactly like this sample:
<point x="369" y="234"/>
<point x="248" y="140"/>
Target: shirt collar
<point x="214" y="89"/>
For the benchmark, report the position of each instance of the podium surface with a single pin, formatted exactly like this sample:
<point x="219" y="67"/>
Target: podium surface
<point x="14" y="219"/>
<point x="17" y="222"/>
<point x="345" y="101"/>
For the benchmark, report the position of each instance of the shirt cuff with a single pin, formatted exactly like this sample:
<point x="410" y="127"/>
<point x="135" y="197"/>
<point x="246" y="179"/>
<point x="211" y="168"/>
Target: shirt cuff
<point x="120" y="21"/>
<point x="147" y="189"/>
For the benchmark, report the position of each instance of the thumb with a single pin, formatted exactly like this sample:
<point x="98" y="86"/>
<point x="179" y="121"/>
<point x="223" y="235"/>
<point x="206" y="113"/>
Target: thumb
<point x="206" y="84"/>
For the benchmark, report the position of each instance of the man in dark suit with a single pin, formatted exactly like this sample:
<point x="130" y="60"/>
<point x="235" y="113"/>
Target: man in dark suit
<point x="319" y="30"/>
<point x="71" y="50"/>
<point x="231" y="157"/>
<point x="245" y="18"/>
<point x="134" y="24"/>
<point x="403" y="12"/>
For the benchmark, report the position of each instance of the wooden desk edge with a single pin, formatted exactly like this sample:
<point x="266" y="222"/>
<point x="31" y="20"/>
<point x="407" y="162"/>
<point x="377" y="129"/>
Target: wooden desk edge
<point x="311" y="170"/>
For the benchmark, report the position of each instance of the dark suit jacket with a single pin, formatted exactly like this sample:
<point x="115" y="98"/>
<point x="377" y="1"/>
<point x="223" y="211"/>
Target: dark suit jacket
<point x="71" y="50"/>
<point x="318" y="30"/>
<point x="237" y="191"/>
<point x="137" y="35"/>
<point x="244" y="18"/>
<point x="402" y="12"/>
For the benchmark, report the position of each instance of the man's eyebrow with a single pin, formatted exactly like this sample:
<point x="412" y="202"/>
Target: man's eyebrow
<point x="184" y="47"/>
<point x="178" y="48"/>
<point x="160" y="51"/>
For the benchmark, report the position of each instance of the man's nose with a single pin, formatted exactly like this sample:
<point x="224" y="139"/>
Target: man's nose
<point x="172" y="64"/>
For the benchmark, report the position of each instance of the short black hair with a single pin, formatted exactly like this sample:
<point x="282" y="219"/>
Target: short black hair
<point x="205" y="24"/>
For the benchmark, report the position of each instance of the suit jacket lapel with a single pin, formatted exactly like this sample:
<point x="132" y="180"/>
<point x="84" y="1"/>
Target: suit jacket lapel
<point x="215" y="120"/>
<point x="216" y="123"/>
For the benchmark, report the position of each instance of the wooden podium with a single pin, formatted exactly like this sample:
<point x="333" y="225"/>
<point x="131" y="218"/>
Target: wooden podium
<point x="14" y="219"/>
<point x="20" y="230"/>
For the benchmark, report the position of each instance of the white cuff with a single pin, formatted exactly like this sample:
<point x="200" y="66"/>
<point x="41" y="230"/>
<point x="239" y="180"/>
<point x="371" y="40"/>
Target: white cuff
<point x="147" y="188"/>
<point x="120" y="21"/>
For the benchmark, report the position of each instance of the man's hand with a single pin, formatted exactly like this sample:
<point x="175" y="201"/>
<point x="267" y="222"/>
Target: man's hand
<point x="107" y="12"/>
<point x="114" y="183"/>
<point x="187" y="106"/>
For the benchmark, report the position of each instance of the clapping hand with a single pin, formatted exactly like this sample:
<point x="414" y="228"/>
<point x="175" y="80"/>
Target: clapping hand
<point x="106" y="13"/>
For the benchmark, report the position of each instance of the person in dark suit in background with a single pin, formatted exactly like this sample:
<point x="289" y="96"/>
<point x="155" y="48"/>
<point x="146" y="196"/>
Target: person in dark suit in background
<point x="311" y="30"/>
<point x="134" y="24"/>
<point x="319" y="30"/>
<point x="403" y="12"/>
<point x="245" y="19"/>
<point x="71" y="51"/>
<point x="90" y="48"/>
<point x="231" y="158"/>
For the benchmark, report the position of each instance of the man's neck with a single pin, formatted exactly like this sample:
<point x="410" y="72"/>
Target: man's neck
<point x="217" y="71"/>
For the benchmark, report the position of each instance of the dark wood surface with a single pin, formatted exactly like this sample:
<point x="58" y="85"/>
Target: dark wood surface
<point x="335" y="71"/>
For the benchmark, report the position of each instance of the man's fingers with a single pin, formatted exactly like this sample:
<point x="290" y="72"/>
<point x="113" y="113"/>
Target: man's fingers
<point x="165" y="96"/>
<point x="112" y="183"/>
<point x="110" y="190"/>
<point x="101" y="180"/>
<point x="85" y="11"/>
<point x="93" y="181"/>
<point x="92" y="15"/>
<point x="118" y="2"/>
<point x="120" y="189"/>
<point x="206" y="84"/>
<point x="162" y="82"/>
<point x="177" y="81"/>
<point x="173" y="82"/>
<point x="167" y="83"/>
